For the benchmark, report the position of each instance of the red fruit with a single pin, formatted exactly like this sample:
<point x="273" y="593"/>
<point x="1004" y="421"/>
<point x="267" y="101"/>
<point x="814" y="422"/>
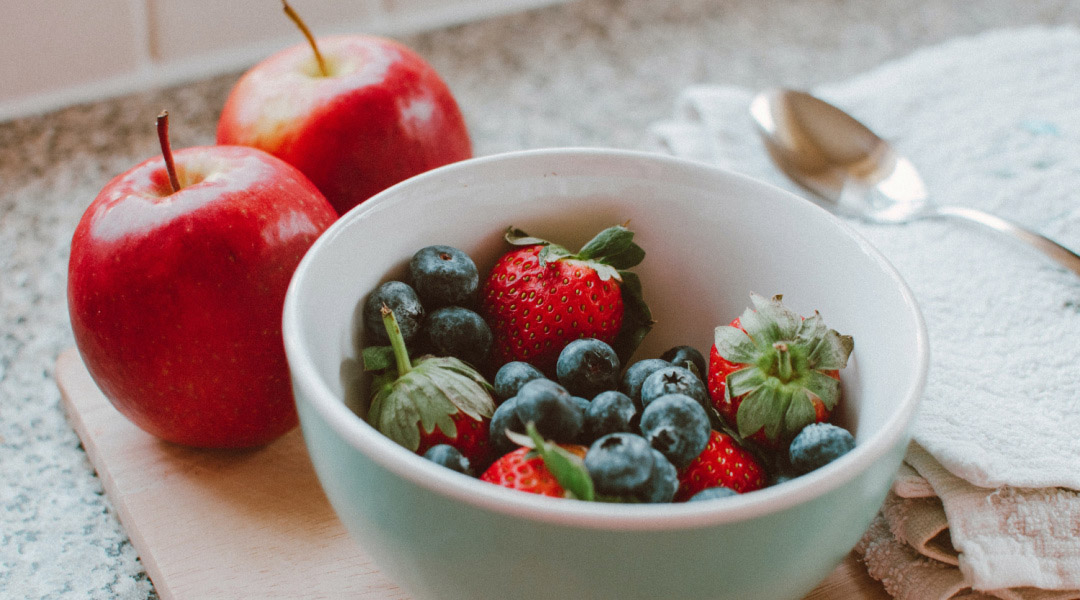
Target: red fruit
<point x="471" y="438"/>
<point x="524" y="469"/>
<point x="722" y="463"/>
<point x="772" y="372"/>
<point x="377" y="114"/>
<point x="540" y="297"/>
<point x="432" y="400"/>
<point x="175" y="292"/>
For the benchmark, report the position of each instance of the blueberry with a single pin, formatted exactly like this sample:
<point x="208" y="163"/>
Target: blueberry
<point x="444" y="276"/>
<point x="713" y="493"/>
<point x="680" y="355"/>
<point x="817" y="445"/>
<point x="400" y="298"/>
<point x="673" y="380"/>
<point x="511" y="376"/>
<point x="587" y="367"/>
<point x="635" y="375"/>
<point x="677" y="426"/>
<point x="504" y="418"/>
<point x="551" y="408"/>
<point x="459" y="332"/>
<point x="663" y="481"/>
<point x="609" y="412"/>
<point x="449" y="457"/>
<point x="619" y="464"/>
<point x="583" y="436"/>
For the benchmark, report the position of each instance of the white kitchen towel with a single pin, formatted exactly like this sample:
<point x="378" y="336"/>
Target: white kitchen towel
<point x="908" y="575"/>
<point x="992" y="122"/>
<point x="1007" y="536"/>
<point x="960" y="540"/>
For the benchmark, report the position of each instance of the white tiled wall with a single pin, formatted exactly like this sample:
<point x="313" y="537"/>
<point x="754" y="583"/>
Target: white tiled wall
<point x="59" y="52"/>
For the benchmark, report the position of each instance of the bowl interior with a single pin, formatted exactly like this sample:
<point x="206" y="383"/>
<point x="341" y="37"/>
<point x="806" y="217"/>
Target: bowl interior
<point x="711" y="238"/>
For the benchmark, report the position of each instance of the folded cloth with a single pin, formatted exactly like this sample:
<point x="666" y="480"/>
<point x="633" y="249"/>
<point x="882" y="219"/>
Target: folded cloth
<point x="971" y="542"/>
<point x="991" y="121"/>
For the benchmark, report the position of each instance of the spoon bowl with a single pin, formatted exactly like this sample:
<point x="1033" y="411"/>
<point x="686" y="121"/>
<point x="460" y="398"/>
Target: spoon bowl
<point x="855" y="173"/>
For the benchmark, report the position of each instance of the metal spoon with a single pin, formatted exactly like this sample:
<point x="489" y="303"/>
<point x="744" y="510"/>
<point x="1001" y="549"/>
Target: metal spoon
<point x="855" y="173"/>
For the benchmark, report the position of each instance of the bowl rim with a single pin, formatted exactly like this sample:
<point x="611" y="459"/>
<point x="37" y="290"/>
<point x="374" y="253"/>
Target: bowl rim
<point x="361" y="436"/>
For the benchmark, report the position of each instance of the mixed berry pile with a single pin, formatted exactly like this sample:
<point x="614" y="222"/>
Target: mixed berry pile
<point x="521" y="379"/>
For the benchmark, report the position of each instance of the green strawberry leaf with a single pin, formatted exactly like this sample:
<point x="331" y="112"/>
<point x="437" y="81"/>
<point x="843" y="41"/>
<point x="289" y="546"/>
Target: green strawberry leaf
<point x="518" y="237"/>
<point x="609" y="242"/>
<point x="604" y="272"/>
<point x="551" y="253"/>
<point x="777" y="409"/>
<point x="783" y="322"/>
<point x="568" y="469"/>
<point x="800" y="413"/>
<point x="734" y="345"/>
<point x="753" y="411"/>
<point x="744" y="381"/>
<point x="629" y="258"/>
<point x="831" y="352"/>
<point x="460" y="384"/>
<point x="824" y="387"/>
<point x="378" y="358"/>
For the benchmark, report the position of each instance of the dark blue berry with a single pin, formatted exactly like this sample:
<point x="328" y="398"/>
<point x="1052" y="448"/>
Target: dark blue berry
<point x="400" y="298"/>
<point x="663" y="481"/>
<point x="583" y="438"/>
<point x="443" y="276"/>
<point x="619" y="464"/>
<point x="504" y="419"/>
<point x="681" y="355"/>
<point x="449" y="457"/>
<point x="458" y="332"/>
<point x="511" y="376"/>
<point x="636" y="374"/>
<point x="817" y="445"/>
<point x="673" y="380"/>
<point x="587" y="367"/>
<point x="677" y="426"/>
<point x="551" y="408"/>
<point x="609" y="412"/>
<point x="713" y="493"/>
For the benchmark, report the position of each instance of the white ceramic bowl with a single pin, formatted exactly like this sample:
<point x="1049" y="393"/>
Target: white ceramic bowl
<point x="711" y="238"/>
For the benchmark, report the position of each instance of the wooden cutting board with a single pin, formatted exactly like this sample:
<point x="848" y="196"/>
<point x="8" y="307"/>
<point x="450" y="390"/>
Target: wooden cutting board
<point x="251" y="524"/>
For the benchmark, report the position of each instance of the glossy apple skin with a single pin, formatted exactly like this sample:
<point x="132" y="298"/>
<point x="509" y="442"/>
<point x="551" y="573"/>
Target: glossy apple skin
<point x="382" y="116"/>
<point x="175" y="299"/>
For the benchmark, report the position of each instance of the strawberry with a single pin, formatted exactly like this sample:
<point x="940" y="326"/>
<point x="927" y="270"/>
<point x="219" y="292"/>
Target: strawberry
<point x="772" y="372"/>
<point x="432" y="400"/>
<point x="540" y="296"/>
<point x="541" y="467"/>
<point x="723" y="462"/>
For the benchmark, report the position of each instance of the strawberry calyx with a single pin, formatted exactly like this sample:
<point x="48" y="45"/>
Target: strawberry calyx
<point x="425" y="393"/>
<point x="611" y="253"/>
<point x="787" y="363"/>
<point x="567" y="468"/>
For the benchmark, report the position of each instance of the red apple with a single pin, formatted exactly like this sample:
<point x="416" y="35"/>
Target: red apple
<point x="175" y="292"/>
<point x="377" y="114"/>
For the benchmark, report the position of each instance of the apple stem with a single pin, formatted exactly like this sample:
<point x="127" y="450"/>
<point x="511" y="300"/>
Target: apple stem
<point x="166" y="149"/>
<point x="307" y="33"/>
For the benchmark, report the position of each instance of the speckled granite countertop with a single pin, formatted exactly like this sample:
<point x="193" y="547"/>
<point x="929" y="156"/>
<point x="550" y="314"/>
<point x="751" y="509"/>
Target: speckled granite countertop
<point x="592" y="72"/>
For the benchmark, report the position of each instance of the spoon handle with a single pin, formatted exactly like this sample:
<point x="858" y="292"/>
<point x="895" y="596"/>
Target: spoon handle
<point x="1047" y="246"/>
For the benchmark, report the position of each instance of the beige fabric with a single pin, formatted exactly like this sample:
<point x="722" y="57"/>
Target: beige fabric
<point x="964" y="542"/>
<point x="1008" y="537"/>
<point x="909" y="484"/>
<point x="921" y="524"/>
